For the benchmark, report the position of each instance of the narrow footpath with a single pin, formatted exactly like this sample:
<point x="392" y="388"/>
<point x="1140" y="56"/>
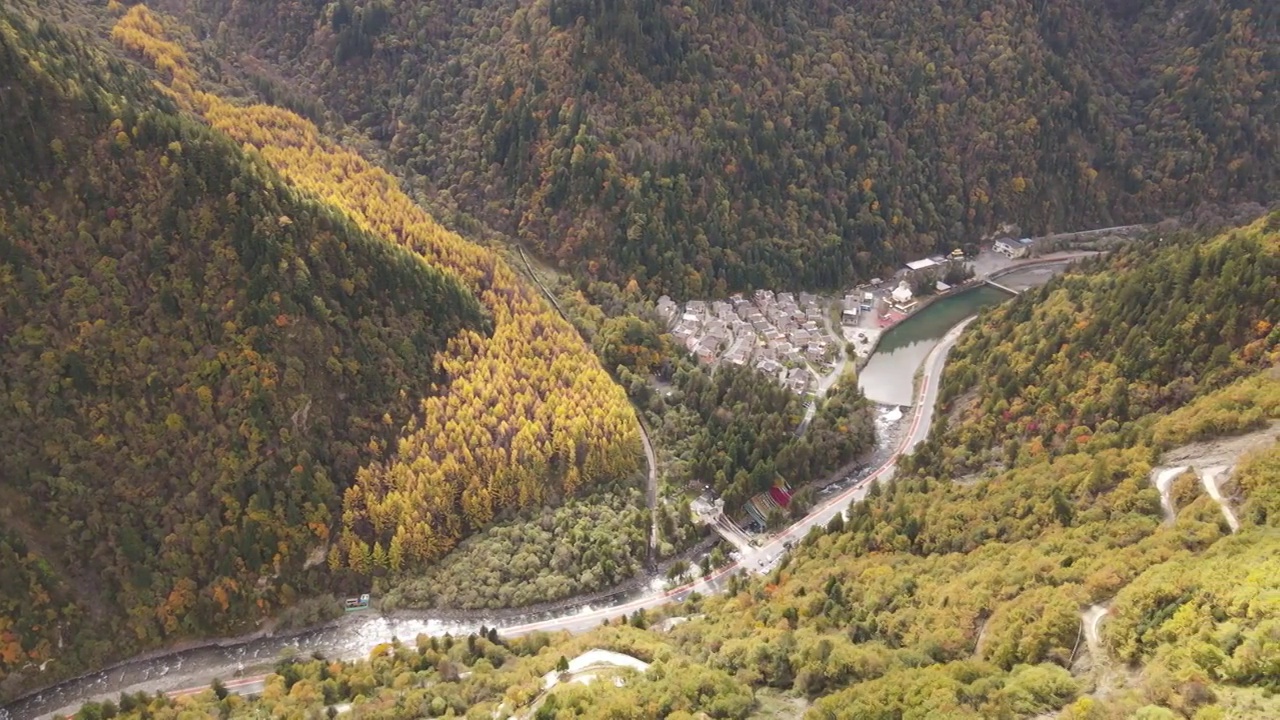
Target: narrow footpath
<point x="824" y="382"/>
<point x="651" y="488"/>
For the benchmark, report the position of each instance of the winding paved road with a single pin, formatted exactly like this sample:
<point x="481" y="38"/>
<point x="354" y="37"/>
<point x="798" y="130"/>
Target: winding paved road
<point x="347" y="641"/>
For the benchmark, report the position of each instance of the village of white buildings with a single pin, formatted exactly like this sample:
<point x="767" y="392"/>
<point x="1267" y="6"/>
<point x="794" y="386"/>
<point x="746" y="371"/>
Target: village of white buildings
<point x="782" y="335"/>
<point x="791" y="336"/>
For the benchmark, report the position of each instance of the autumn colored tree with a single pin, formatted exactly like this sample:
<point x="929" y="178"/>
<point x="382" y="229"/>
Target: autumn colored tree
<point x="694" y="148"/>
<point x="528" y="414"/>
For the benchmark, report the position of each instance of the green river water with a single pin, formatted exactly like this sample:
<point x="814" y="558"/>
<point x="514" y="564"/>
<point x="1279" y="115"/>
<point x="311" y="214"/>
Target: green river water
<point x="889" y="375"/>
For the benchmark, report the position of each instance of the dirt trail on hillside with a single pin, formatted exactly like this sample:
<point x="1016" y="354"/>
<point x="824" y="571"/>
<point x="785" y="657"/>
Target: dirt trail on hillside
<point x="1221" y="451"/>
<point x="1092" y="619"/>
<point x="1108" y="676"/>
<point x="1163" y="478"/>
<point x="1213" y="462"/>
<point x="1209" y="478"/>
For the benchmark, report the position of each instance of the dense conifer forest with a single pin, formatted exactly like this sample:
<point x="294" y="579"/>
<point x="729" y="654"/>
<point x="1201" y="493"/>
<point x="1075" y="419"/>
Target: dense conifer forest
<point x="244" y="368"/>
<point x="944" y="596"/>
<point x="1169" y="319"/>
<point x="736" y="431"/>
<point x="711" y="145"/>
<point x="196" y="361"/>
<point x="528" y="415"/>
<point x="239" y="373"/>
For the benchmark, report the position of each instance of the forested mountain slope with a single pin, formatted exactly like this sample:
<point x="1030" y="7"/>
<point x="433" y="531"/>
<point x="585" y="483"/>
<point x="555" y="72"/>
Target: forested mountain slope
<point x="218" y="374"/>
<point x="528" y="415"/>
<point x="700" y="146"/>
<point x="195" y="362"/>
<point x="735" y="432"/>
<point x="1141" y="331"/>
<point x="938" y="599"/>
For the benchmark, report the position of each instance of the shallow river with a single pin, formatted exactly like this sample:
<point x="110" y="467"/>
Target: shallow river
<point x="887" y="379"/>
<point x="354" y="635"/>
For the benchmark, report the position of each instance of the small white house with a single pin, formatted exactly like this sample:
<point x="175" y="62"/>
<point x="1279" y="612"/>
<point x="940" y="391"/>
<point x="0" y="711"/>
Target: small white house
<point x="902" y="294"/>
<point x="1014" y="248"/>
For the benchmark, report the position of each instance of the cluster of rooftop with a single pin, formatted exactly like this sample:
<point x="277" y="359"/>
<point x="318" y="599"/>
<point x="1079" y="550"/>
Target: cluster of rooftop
<point x="779" y="334"/>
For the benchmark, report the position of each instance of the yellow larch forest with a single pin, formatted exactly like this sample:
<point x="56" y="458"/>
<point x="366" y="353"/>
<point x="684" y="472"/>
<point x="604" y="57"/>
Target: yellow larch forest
<point x="527" y="414"/>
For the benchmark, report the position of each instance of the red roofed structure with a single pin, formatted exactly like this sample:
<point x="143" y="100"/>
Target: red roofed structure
<point x="780" y="496"/>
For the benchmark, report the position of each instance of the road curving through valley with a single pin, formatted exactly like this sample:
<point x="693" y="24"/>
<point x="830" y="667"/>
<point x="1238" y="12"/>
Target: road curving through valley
<point x="192" y="670"/>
